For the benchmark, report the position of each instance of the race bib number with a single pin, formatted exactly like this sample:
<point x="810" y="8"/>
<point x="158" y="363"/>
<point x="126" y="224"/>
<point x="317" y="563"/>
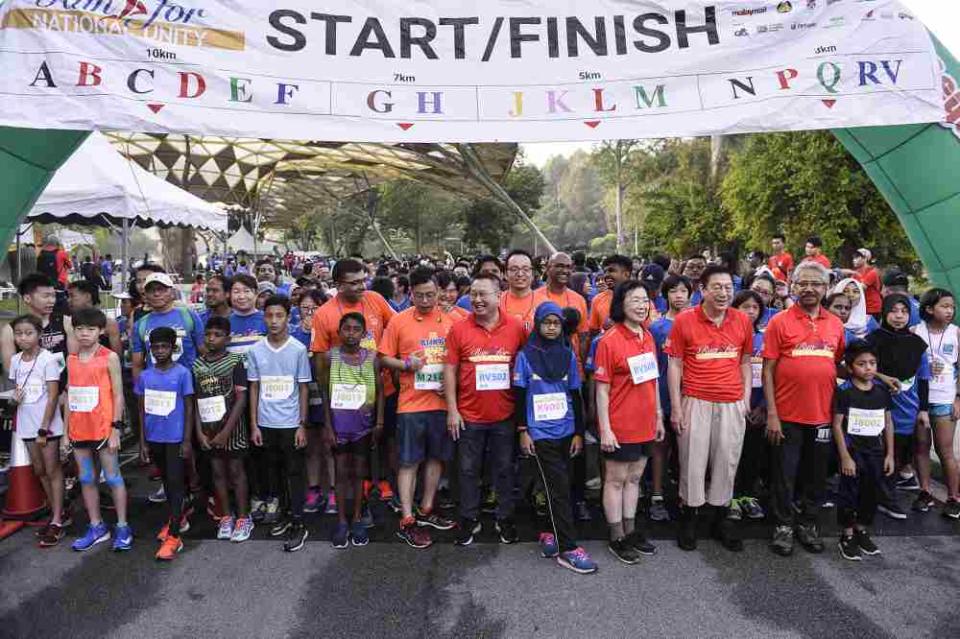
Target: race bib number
<point x="865" y="422"/>
<point x="493" y="377"/>
<point x="348" y="396"/>
<point x="643" y="368"/>
<point x="159" y="403"/>
<point x="212" y="409"/>
<point x="31" y="392"/>
<point x="549" y="406"/>
<point x="83" y="399"/>
<point x="430" y="377"/>
<point x="756" y="370"/>
<point x="276" y="388"/>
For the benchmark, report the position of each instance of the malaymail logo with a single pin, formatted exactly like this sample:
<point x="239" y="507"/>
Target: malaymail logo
<point x="164" y="22"/>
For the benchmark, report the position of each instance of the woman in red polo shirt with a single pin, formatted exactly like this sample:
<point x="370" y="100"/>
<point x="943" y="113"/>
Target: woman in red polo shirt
<point x="629" y="415"/>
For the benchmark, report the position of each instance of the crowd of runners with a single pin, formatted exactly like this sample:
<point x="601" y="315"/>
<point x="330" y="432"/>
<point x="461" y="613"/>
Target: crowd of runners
<point x="676" y="388"/>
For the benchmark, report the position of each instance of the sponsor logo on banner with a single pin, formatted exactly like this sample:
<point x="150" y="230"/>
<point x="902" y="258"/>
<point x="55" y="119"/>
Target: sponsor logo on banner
<point x="785" y="7"/>
<point x="745" y="13"/>
<point x="951" y="101"/>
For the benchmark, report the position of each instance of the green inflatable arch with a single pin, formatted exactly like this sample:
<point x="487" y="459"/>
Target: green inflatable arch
<point x="916" y="167"/>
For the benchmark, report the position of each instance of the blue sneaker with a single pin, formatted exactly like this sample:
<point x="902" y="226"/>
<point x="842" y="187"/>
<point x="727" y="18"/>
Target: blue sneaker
<point x="358" y="534"/>
<point x="578" y="561"/>
<point x="340" y="536"/>
<point x="122" y="538"/>
<point x="366" y="517"/>
<point x="93" y="536"/>
<point x="548" y="545"/>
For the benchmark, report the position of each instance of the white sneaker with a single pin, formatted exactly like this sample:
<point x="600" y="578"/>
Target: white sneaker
<point x="242" y="530"/>
<point x="225" y="531"/>
<point x="158" y="497"/>
<point x="273" y="508"/>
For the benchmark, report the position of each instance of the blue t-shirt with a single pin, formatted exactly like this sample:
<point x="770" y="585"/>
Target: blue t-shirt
<point x="189" y="338"/>
<point x="756" y="394"/>
<point x="245" y="331"/>
<point x="400" y="306"/>
<point x="914" y="312"/>
<point x="556" y="428"/>
<point x="766" y="316"/>
<point x="906" y="403"/>
<point x="660" y="331"/>
<point x="589" y="365"/>
<point x="696" y="298"/>
<point x="660" y="303"/>
<point x="315" y="403"/>
<point x="280" y="373"/>
<point x="163" y="392"/>
<point x="465" y="303"/>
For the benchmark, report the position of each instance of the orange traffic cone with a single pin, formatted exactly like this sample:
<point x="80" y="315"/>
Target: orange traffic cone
<point x="25" y="499"/>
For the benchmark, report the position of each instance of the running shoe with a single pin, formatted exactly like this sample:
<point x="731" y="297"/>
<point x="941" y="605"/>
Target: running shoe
<point x="951" y="509"/>
<point x="507" y="531"/>
<point x="733" y="510"/>
<point x="468" y="528"/>
<point x="892" y="510"/>
<point x="122" y="538"/>
<point x="42" y="530"/>
<point x="578" y="561"/>
<point x="658" y="509"/>
<point x="159" y="496"/>
<point x="52" y="535"/>
<point x="366" y="517"/>
<point x="924" y="502"/>
<point x="258" y="509"/>
<point x="385" y="490"/>
<point x="849" y="548"/>
<point x="581" y="512"/>
<point x="433" y="520"/>
<point x="341" y="535"/>
<point x="331" y="508"/>
<point x="414" y="536"/>
<point x="623" y="551"/>
<point x="782" y="543"/>
<point x="225" y="530"/>
<point x="395" y="505"/>
<point x="165" y="531"/>
<point x="242" y="530"/>
<point x="809" y="537"/>
<point x="94" y="535"/>
<point x="280" y="527"/>
<point x="313" y="500"/>
<point x="489" y="503"/>
<point x="358" y="534"/>
<point x="169" y="548"/>
<point x="272" y="513"/>
<point x="725" y="531"/>
<point x="296" y="537"/>
<point x="639" y="542"/>
<point x="548" y="545"/>
<point x="751" y="508"/>
<point x="865" y="542"/>
<point x="908" y="483"/>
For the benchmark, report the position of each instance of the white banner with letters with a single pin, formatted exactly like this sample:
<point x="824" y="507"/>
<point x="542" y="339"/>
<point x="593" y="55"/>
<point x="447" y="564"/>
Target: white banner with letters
<point x="498" y="70"/>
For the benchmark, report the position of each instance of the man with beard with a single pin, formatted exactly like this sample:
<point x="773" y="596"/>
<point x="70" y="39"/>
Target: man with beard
<point x="557" y="290"/>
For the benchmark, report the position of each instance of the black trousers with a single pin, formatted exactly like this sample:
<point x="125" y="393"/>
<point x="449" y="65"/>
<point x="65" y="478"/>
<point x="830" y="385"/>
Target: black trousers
<point x="753" y="462"/>
<point x="285" y="463"/>
<point x="555" y="466"/>
<point x="493" y="444"/>
<point x="803" y="454"/>
<point x="169" y="459"/>
<point x="857" y="496"/>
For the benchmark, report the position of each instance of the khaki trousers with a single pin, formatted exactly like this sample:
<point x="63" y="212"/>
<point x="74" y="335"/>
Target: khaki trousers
<point x="713" y="438"/>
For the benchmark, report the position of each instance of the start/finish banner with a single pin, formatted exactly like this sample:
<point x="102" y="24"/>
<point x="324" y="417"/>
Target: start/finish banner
<point x="445" y="70"/>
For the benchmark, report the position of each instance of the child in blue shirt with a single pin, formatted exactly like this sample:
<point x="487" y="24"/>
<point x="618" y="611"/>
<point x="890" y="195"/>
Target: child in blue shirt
<point x="550" y="413"/>
<point x="164" y="437"/>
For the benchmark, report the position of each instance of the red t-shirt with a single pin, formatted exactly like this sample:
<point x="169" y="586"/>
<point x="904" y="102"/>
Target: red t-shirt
<point x="711" y="355"/>
<point x="870" y="278"/>
<point x="782" y="262"/>
<point x="806" y="350"/>
<point x="633" y="407"/>
<point x="485" y="356"/>
<point x="819" y="259"/>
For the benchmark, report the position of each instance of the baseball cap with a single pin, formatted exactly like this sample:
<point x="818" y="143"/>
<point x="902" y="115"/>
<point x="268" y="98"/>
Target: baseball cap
<point x="266" y="287"/>
<point x="895" y="277"/>
<point x="159" y="278"/>
<point x="652" y="274"/>
<point x="865" y="254"/>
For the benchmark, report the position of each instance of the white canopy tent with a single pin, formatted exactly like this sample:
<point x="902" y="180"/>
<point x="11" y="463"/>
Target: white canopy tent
<point x="97" y="185"/>
<point x="242" y="240"/>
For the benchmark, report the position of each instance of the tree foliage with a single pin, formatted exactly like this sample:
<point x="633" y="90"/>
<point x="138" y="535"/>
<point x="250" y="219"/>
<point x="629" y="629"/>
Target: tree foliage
<point x="490" y="224"/>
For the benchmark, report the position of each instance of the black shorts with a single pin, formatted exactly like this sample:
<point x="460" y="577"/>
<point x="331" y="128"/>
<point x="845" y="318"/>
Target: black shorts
<point x="51" y="438"/>
<point x="99" y="444"/>
<point x="630" y="452"/>
<point x="358" y="447"/>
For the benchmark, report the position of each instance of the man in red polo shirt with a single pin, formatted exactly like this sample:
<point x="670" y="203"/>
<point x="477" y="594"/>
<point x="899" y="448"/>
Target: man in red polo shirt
<point x="710" y="379"/>
<point x="477" y="375"/>
<point x="814" y="252"/>
<point x="802" y="347"/>
<point x="780" y="260"/>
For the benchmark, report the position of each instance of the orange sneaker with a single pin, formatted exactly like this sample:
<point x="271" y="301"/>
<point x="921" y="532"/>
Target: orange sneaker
<point x="165" y="531"/>
<point x="386" y="491"/>
<point x="169" y="548"/>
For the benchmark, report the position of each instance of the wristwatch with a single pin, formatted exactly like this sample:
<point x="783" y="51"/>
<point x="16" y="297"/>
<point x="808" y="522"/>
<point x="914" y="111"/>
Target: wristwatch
<point x="118" y="425"/>
<point x="43" y="432"/>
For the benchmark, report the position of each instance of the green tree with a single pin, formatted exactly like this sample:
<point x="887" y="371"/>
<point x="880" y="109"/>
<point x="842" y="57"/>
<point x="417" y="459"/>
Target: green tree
<point x="490" y="224"/>
<point x="418" y="211"/>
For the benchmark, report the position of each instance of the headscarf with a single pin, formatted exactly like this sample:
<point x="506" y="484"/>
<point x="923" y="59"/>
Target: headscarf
<point x="857" y="322"/>
<point x="899" y="352"/>
<point x="549" y="358"/>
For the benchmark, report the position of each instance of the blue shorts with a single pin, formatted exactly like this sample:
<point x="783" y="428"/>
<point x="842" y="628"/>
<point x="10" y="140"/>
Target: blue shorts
<point x="940" y="410"/>
<point x="423" y="436"/>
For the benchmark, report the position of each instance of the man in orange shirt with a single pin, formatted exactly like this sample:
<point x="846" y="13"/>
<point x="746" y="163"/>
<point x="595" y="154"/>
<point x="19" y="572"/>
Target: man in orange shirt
<point x="781" y="260"/>
<point x="814" y="250"/>
<point x="710" y="381"/>
<point x="415" y="345"/>
<point x="802" y="347"/>
<point x="352" y="297"/>
<point x="559" y="268"/>
<point x="518" y="301"/>
<point x="616" y="270"/>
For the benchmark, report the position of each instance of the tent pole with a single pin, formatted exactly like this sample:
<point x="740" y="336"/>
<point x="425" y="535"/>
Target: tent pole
<point x="19" y="267"/>
<point x="124" y="250"/>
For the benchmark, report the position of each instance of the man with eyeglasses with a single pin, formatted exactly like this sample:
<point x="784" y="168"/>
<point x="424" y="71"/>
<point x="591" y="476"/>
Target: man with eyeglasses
<point x="802" y="348"/>
<point x="517" y="301"/>
<point x="559" y="269"/>
<point x="710" y="381"/>
<point x="414" y="344"/>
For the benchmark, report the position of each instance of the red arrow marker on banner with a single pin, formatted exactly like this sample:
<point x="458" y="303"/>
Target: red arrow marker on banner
<point x="155" y="107"/>
<point x="592" y="123"/>
<point x="829" y="103"/>
<point x="405" y="125"/>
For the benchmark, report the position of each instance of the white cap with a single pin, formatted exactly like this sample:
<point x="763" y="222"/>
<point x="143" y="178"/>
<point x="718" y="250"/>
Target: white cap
<point x="161" y="278"/>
